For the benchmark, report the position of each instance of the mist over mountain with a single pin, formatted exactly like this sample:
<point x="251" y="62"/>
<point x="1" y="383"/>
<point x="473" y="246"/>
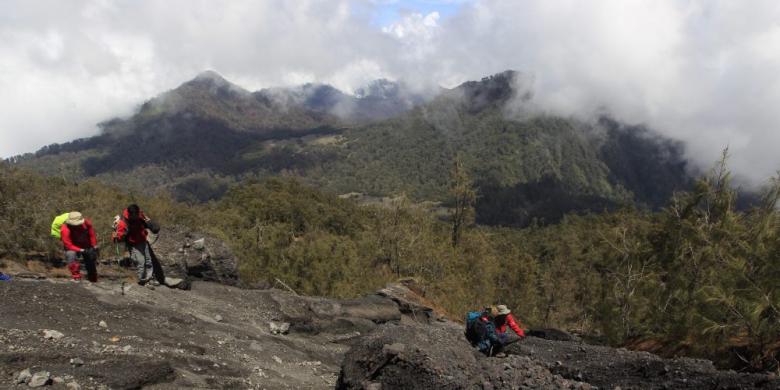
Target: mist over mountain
<point x="208" y="133"/>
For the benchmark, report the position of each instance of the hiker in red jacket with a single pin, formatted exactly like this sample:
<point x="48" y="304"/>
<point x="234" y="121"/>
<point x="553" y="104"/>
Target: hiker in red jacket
<point x="502" y="319"/>
<point x="78" y="238"/>
<point x="131" y="229"/>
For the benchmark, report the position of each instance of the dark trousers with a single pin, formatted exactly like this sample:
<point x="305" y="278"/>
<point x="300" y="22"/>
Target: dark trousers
<point x="90" y="262"/>
<point x="504" y="340"/>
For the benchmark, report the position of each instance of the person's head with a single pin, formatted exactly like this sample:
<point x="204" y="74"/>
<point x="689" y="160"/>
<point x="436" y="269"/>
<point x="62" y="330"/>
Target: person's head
<point x="133" y="212"/>
<point x="502" y="311"/>
<point x="75" y="219"/>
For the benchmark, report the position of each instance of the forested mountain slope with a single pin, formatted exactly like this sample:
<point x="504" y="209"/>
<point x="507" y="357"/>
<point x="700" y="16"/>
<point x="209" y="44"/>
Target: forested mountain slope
<point x="198" y="139"/>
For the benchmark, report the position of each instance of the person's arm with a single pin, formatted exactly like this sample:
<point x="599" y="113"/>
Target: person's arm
<point x="65" y="232"/>
<point x="492" y="333"/>
<point x="121" y="230"/>
<point x="510" y="320"/>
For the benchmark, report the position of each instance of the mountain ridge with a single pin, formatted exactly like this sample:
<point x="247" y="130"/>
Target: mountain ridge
<point x="208" y="133"/>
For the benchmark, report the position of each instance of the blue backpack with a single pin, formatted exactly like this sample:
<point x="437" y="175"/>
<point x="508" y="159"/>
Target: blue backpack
<point x="481" y="334"/>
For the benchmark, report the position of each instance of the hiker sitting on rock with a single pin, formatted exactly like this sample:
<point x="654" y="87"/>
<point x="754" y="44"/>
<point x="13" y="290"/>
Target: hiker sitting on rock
<point x="132" y="230"/>
<point x="78" y="238"/>
<point x="503" y="318"/>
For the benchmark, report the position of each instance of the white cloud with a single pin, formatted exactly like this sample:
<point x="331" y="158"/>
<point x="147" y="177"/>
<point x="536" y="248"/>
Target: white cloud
<point x="414" y="25"/>
<point x="704" y="71"/>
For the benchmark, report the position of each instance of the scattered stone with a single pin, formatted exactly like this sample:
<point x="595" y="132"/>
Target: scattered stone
<point x="40" y="379"/>
<point x="102" y="324"/>
<point x="24" y="376"/>
<point x="52" y="334"/>
<point x="199" y="244"/>
<point x="77" y="362"/>
<point x="277" y="359"/>
<point x="127" y="348"/>
<point x="218" y="318"/>
<point x="393" y="349"/>
<point x="279" y="328"/>
<point x="73" y="386"/>
<point x="58" y="380"/>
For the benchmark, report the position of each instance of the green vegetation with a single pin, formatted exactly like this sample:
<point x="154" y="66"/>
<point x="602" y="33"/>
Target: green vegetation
<point x="29" y="202"/>
<point x="698" y="276"/>
<point x="207" y="134"/>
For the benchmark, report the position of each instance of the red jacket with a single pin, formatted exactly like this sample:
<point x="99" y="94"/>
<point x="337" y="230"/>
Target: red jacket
<point x="76" y="238"/>
<point x="135" y="231"/>
<point x="510" y="320"/>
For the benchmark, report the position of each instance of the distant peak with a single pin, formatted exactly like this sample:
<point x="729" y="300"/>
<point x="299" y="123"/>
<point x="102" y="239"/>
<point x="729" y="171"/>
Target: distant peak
<point x="380" y="88"/>
<point x="491" y="90"/>
<point x="210" y="75"/>
<point x="212" y="82"/>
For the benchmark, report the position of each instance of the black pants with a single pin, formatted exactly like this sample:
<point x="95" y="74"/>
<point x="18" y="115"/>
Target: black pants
<point x="504" y="340"/>
<point x="90" y="262"/>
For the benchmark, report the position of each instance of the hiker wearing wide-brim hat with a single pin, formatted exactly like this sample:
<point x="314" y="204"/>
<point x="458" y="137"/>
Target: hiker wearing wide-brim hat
<point x="78" y="238"/>
<point x="503" y="319"/>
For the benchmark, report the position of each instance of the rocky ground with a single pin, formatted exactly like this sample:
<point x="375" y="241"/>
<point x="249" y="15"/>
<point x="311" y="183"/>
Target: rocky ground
<point x="105" y="335"/>
<point x="415" y="356"/>
<point x="123" y="336"/>
<point x="115" y="334"/>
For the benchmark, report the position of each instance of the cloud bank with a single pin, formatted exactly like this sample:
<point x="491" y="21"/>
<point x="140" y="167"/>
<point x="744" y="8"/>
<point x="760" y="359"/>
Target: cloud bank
<point x="702" y="71"/>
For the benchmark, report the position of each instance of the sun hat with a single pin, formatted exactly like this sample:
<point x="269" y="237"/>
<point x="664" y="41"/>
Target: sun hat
<point x="503" y="310"/>
<point x="75" y="218"/>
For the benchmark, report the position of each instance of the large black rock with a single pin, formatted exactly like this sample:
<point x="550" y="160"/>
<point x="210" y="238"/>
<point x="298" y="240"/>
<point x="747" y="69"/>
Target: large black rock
<point x="437" y="356"/>
<point x="188" y="254"/>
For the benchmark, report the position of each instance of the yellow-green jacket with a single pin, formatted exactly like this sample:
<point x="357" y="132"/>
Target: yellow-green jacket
<point x="56" y="225"/>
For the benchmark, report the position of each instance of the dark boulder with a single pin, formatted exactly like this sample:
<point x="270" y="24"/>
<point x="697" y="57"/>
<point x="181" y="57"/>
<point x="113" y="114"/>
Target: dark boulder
<point x="316" y="315"/>
<point x="437" y="356"/>
<point x="188" y="254"/>
<point x="552" y="334"/>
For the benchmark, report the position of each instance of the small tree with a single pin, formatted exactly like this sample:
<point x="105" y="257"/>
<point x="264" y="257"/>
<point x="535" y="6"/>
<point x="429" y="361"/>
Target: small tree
<point x="465" y="196"/>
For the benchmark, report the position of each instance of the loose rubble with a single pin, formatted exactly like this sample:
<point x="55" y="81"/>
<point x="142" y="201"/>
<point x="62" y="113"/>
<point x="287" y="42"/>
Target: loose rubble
<point x="52" y="335"/>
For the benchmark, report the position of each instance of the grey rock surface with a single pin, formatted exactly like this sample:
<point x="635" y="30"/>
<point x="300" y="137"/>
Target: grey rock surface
<point x="187" y="254"/>
<point x="40" y="379"/>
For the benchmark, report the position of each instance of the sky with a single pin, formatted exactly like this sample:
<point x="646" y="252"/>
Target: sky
<point x="706" y="72"/>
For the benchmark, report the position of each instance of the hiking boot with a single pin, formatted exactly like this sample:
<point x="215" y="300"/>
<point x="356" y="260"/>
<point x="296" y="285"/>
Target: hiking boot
<point x="142" y="282"/>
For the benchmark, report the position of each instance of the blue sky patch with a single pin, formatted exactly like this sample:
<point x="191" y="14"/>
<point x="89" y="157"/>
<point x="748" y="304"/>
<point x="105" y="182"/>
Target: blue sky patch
<point x="388" y="11"/>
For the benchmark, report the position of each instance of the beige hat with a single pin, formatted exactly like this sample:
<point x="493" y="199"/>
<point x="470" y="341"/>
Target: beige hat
<point x="503" y="310"/>
<point x="75" y="218"/>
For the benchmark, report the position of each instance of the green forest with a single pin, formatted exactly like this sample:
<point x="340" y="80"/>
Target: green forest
<point x="697" y="277"/>
<point x="197" y="140"/>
